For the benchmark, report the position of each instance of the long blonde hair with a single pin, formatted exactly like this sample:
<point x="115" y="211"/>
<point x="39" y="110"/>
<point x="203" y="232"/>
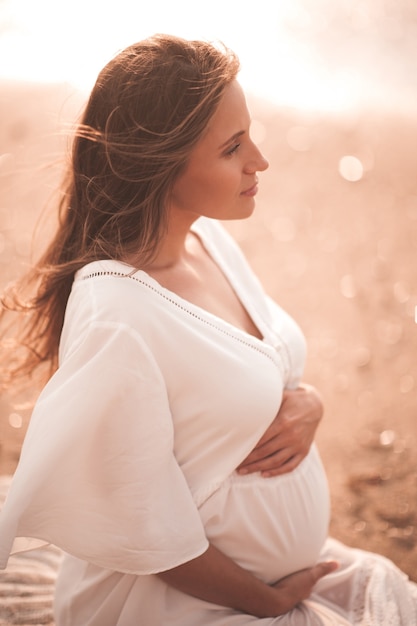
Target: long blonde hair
<point x="148" y="108"/>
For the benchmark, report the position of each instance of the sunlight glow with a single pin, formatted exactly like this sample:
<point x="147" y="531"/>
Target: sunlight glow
<point x="293" y="52"/>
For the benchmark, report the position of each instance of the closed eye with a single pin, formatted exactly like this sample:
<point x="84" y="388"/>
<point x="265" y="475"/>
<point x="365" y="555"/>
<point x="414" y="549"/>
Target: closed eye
<point x="233" y="149"/>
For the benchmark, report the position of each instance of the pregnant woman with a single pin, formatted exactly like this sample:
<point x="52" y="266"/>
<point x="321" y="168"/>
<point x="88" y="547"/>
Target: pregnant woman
<point x="159" y="455"/>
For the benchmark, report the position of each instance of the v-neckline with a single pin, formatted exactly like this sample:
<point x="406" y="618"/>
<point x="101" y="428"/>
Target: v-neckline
<point x="213" y="252"/>
<point x="195" y="310"/>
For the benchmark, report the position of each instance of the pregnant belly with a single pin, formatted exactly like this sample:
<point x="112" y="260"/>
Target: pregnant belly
<point x="271" y="526"/>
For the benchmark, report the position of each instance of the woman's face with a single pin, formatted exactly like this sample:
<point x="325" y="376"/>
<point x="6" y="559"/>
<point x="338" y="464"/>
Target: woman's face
<point x="220" y="179"/>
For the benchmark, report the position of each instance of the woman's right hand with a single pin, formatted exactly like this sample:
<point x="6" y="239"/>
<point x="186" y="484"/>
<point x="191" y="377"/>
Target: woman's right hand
<point x="214" y="577"/>
<point x="297" y="587"/>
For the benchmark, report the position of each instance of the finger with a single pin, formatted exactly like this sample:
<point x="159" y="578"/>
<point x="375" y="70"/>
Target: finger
<point x="275" y="456"/>
<point x="278" y="463"/>
<point x="265" y="452"/>
<point x="298" y="586"/>
<point x="265" y="447"/>
<point x="273" y="431"/>
<point x="305" y="579"/>
<point x="286" y="434"/>
<point x="274" y="445"/>
<point x="323" y="569"/>
<point x="270" y="461"/>
<point x="284" y="468"/>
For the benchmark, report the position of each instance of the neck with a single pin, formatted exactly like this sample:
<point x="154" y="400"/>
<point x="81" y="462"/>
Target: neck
<point x="172" y="250"/>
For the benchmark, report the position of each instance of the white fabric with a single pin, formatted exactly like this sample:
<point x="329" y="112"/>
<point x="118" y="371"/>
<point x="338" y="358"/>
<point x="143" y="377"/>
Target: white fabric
<point x="129" y="460"/>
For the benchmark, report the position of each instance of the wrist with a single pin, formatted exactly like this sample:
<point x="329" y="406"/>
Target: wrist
<point x="280" y="603"/>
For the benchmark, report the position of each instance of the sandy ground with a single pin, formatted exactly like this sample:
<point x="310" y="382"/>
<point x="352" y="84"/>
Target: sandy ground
<point x="338" y="254"/>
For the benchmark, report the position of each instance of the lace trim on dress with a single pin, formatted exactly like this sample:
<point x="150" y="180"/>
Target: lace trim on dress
<point x="181" y="307"/>
<point x="382" y="595"/>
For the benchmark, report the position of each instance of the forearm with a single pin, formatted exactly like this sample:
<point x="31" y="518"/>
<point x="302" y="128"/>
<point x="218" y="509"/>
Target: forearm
<point x="215" y="578"/>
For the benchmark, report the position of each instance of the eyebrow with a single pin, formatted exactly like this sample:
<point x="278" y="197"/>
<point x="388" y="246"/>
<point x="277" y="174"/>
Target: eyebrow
<point x="233" y="138"/>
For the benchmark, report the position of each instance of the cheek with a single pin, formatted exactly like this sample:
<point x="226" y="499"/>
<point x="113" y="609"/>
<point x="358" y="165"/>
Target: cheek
<point x="207" y="184"/>
<point x="197" y="186"/>
<point x="224" y="180"/>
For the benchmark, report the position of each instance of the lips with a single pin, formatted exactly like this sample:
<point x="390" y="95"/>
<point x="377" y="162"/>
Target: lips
<point x="251" y="191"/>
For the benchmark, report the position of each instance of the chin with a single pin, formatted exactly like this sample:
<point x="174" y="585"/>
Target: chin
<point x="234" y="216"/>
<point x="242" y="212"/>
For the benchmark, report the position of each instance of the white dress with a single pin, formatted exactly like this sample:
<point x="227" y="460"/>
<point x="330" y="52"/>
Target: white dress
<point x="128" y="463"/>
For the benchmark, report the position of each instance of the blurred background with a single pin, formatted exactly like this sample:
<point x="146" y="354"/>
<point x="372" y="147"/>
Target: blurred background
<point x="312" y="54"/>
<point x="332" y="87"/>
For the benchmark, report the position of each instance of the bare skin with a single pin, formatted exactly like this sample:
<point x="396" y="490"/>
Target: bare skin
<point x="288" y="439"/>
<point x="196" y="278"/>
<point x="215" y="578"/>
<point x="220" y="182"/>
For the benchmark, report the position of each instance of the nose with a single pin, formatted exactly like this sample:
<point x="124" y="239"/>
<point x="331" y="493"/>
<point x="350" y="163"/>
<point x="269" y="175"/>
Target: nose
<point x="264" y="163"/>
<point x="257" y="162"/>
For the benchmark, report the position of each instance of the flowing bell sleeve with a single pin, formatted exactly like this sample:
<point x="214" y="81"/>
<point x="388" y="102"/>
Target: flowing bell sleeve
<point x="97" y="475"/>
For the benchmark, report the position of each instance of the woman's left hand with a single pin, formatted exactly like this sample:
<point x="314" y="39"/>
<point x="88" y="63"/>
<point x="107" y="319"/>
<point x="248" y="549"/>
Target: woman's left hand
<point x="288" y="439"/>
